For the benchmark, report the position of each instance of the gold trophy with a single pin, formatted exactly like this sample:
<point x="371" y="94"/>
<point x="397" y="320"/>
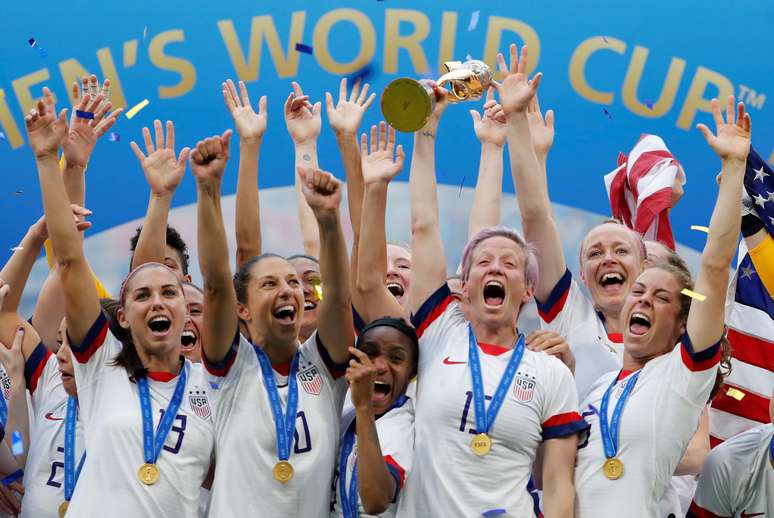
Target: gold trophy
<point x="408" y="103"/>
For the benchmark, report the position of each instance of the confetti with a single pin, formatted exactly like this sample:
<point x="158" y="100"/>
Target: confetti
<point x="736" y="394"/>
<point x="19" y="192"/>
<point x="139" y="106"/>
<point x="468" y="57"/>
<point x="694" y="295"/>
<point x="2" y="135"/>
<point x="493" y="512"/>
<point x="214" y="386"/>
<point x="144" y="32"/>
<point x="13" y="477"/>
<point x="16" y="248"/>
<point x="604" y="39"/>
<point x="361" y="75"/>
<point x="17" y="443"/>
<point x="306" y="49"/>
<point x="34" y="45"/>
<point x="700" y="228"/>
<point x="649" y="104"/>
<point x="114" y="137"/>
<point x="473" y="20"/>
<point x="318" y="290"/>
<point x="462" y="183"/>
<point x="84" y="115"/>
<point x="607" y="113"/>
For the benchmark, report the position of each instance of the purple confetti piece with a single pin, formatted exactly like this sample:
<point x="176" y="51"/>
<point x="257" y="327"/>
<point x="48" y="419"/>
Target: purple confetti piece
<point x="473" y="20"/>
<point x="114" y="137"/>
<point x="306" y="49"/>
<point x="84" y="115"/>
<point x="34" y="44"/>
<point x="214" y="385"/>
<point x="649" y="103"/>
<point x="607" y="113"/>
<point x="492" y="513"/>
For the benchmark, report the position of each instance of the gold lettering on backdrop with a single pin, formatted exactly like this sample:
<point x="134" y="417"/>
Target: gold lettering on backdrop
<point x="494" y="41"/>
<point x="166" y="62"/>
<point x="393" y="41"/>
<point x="286" y="63"/>
<point x="448" y="38"/>
<point x="109" y="71"/>
<point x="695" y="101"/>
<point x="367" y="45"/>
<point x="10" y="128"/>
<point x="578" y="61"/>
<point x="22" y="86"/>
<point x="668" y="92"/>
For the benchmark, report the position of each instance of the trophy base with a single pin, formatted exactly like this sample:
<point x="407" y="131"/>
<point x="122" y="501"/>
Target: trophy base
<point x="407" y="104"/>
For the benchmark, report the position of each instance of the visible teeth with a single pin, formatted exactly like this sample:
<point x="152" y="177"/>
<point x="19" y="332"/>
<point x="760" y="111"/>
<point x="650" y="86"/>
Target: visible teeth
<point x="309" y="305"/>
<point x="393" y="285"/>
<point x="189" y="334"/>
<point x="495" y="283"/>
<point x="612" y="276"/>
<point x="286" y="307"/>
<point x="380" y="383"/>
<point x="159" y="318"/>
<point x="641" y="317"/>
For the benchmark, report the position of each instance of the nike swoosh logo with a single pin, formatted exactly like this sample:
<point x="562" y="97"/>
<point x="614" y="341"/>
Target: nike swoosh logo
<point x="51" y="417"/>
<point x="447" y="361"/>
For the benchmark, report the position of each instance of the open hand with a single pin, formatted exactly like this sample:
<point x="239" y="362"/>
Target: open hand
<point x="516" y="91"/>
<point x="162" y="170"/>
<point x="301" y="116"/>
<point x="249" y="125"/>
<point x="346" y="116"/>
<point x="40" y="230"/>
<point x="382" y="162"/>
<point x="361" y="376"/>
<point x="209" y="157"/>
<point x="542" y="130"/>
<point x="732" y="141"/>
<point x="45" y="129"/>
<point x="491" y="129"/>
<point x="321" y="189"/>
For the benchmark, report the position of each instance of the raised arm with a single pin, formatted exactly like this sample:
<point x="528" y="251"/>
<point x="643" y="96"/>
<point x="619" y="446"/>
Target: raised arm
<point x="375" y="485"/>
<point x="732" y="144"/>
<point x="250" y="127"/>
<point x="46" y="132"/>
<point x="428" y="264"/>
<point x="163" y="173"/>
<point x="18" y="420"/>
<point x="516" y="94"/>
<point x="491" y="132"/>
<point x="323" y="194"/>
<point x="303" y="122"/>
<point x="208" y="161"/>
<point x="380" y="165"/>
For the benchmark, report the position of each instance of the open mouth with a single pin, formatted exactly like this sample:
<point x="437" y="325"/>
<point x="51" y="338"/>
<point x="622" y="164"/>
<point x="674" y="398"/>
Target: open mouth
<point x="396" y="289"/>
<point x="494" y="293"/>
<point x="159" y="325"/>
<point x="285" y="314"/>
<point x="310" y="305"/>
<point x="381" y="391"/>
<point x="188" y="340"/>
<point x="639" y="324"/>
<point x="611" y="279"/>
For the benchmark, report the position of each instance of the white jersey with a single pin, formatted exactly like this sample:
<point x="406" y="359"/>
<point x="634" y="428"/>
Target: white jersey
<point x="395" y="430"/>
<point x="447" y="478"/>
<point x="658" y="420"/>
<point x="110" y="411"/>
<point x="737" y="478"/>
<point x="571" y="314"/>
<point x="44" y="471"/>
<point x="247" y="440"/>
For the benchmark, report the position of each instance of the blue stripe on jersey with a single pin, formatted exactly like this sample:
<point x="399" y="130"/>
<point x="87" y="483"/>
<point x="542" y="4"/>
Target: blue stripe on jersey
<point x="221" y="368"/>
<point x="422" y="318"/>
<point x="33" y="367"/>
<point x="337" y="370"/>
<point x="561" y="287"/>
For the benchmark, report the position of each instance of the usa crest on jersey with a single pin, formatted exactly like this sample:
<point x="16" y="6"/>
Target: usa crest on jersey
<point x="199" y="403"/>
<point x="310" y="380"/>
<point x="523" y="388"/>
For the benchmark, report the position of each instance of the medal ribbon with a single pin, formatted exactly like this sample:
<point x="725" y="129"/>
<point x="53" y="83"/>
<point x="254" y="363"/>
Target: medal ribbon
<point x="350" y="506"/>
<point x="71" y="475"/>
<point x="485" y="418"/>
<point x="284" y="424"/>
<point x="152" y="446"/>
<point x="610" y="433"/>
<point x="771" y="452"/>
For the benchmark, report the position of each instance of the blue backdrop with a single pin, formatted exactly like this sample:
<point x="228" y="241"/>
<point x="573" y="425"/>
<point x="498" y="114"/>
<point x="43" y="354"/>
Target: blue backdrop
<point x="612" y="71"/>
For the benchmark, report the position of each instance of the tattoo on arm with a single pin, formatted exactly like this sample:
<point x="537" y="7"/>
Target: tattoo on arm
<point x="307" y="157"/>
<point x="428" y="133"/>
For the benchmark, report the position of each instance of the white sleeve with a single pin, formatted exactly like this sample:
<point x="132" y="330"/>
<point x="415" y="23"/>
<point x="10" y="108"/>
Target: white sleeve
<point x="560" y="416"/>
<point x="714" y="494"/>
<point x="437" y="316"/>
<point x="396" y="439"/>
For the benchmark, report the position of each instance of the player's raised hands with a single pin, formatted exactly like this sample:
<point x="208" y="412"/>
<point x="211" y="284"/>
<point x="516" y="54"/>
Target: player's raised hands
<point x="80" y="214"/>
<point x="491" y="128"/>
<point x="732" y="141"/>
<point x="12" y="357"/>
<point x="541" y="129"/>
<point x="361" y="375"/>
<point x="301" y="116"/>
<point x="321" y="189"/>
<point x="162" y="170"/>
<point x="382" y="161"/>
<point x="101" y="121"/>
<point x="441" y="103"/>
<point x="209" y="157"/>
<point x="45" y="128"/>
<point x="346" y="116"/>
<point x="249" y="125"/>
<point x="516" y="90"/>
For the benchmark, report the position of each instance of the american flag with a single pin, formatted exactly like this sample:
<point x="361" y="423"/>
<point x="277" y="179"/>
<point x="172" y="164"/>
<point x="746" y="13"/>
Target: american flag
<point x="310" y="379"/>
<point x="640" y="189"/>
<point x="743" y="401"/>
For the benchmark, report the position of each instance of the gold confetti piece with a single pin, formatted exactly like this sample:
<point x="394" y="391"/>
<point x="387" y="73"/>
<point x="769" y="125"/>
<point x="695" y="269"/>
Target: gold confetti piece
<point x="694" y="295"/>
<point x="14" y="249"/>
<point x="699" y="228"/>
<point x="318" y="290"/>
<point x="142" y="104"/>
<point x="736" y="394"/>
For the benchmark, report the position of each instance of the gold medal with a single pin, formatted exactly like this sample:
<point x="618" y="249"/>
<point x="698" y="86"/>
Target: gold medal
<point x="148" y="474"/>
<point x="481" y="444"/>
<point x="613" y="468"/>
<point x="63" y="508"/>
<point x="283" y="471"/>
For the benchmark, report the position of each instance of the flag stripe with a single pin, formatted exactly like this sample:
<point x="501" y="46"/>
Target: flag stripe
<point x="752" y="350"/>
<point x="746" y="404"/>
